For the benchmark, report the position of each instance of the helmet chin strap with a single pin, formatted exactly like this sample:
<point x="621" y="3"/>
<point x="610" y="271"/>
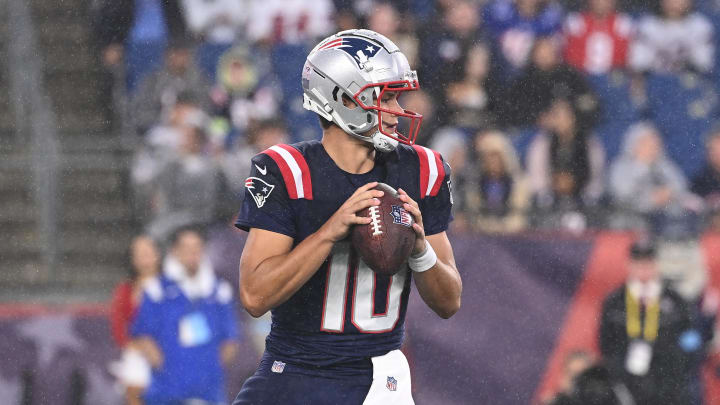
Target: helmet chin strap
<point x="380" y="141"/>
<point x="383" y="143"/>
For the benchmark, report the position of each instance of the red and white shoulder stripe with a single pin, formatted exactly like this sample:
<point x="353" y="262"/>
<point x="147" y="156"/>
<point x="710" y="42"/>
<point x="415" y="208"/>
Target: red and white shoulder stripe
<point x="294" y="170"/>
<point x="432" y="171"/>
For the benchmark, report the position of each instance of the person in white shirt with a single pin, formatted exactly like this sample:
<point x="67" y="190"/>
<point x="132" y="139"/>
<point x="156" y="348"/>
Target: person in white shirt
<point x="674" y="41"/>
<point x="289" y="21"/>
<point x="217" y="23"/>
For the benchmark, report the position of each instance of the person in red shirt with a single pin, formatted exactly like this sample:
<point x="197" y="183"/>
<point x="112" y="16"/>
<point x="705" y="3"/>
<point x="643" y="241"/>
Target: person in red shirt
<point x="144" y="264"/>
<point x="597" y="40"/>
<point x="132" y="370"/>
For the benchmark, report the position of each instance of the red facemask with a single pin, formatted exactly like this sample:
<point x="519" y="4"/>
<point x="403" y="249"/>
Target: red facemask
<point x="397" y="86"/>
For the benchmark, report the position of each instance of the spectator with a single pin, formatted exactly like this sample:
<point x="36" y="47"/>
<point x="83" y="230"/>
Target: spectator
<point x="452" y="144"/>
<point x="160" y="146"/>
<point x="492" y="194"/>
<point x="216" y="23"/>
<point x="346" y="17"/>
<point x="188" y="188"/>
<point x="421" y="102"/>
<point x="565" y="162"/>
<point x="132" y="371"/>
<point x="159" y="92"/>
<point x="244" y="95"/>
<point x="384" y="19"/>
<point x="597" y="40"/>
<point x="675" y="41"/>
<point x="471" y="99"/>
<point x="144" y="264"/>
<point x="683" y="263"/>
<point x="546" y="79"/>
<point x="514" y="25"/>
<point x="646" y="336"/>
<point x="289" y="21"/>
<point x="707" y="183"/>
<point x="645" y="182"/>
<point x="574" y="364"/>
<point x="166" y="137"/>
<point x="595" y="386"/>
<point x="187" y="326"/>
<point x="445" y="45"/>
<point x="137" y="31"/>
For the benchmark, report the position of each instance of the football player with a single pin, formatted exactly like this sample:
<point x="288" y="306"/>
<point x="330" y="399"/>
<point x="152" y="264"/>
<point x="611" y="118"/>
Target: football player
<point x="336" y="325"/>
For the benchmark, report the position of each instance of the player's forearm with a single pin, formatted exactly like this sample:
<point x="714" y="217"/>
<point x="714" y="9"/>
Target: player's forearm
<point x="440" y="288"/>
<point x="277" y="278"/>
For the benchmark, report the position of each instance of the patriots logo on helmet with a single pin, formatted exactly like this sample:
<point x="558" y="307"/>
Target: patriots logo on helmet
<point x="259" y="190"/>
<point x="360" y="49"/>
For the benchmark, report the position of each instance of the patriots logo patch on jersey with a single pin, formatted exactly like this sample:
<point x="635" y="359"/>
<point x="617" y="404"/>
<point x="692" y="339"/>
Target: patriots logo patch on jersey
<point x="259" y="190"/>
<point x="400" y="216"/>
<point x="360" y="49"/>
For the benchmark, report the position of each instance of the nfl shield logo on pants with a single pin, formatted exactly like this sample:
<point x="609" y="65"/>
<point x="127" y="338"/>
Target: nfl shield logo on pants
<point x="278" y="367"/>
<point x="391" y="384"/>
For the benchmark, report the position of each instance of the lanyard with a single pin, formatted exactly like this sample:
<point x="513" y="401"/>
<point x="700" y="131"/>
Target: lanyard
<point x="634" y="325"/>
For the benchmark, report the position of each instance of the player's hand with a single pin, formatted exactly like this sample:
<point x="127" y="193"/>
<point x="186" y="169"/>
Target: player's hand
<point x="337" y="227"/>
<point x="412" y="207"/>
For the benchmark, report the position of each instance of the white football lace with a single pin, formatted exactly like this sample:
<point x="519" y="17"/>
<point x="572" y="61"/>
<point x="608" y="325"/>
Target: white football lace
<point x="375" y="220"/>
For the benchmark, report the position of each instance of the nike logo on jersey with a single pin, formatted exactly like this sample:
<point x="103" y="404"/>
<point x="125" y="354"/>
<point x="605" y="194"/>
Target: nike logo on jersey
<point x="262" y="171"/>
<point x="259" y="190"/>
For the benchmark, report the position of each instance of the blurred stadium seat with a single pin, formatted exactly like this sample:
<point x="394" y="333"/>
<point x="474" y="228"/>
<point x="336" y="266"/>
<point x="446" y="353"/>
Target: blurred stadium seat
<point x="618" y="110"/>
<point x="682" y="106"/>
<point x="287" y="61"/>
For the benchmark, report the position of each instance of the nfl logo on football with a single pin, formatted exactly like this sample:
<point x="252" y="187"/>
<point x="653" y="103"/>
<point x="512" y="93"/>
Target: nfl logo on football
<point x="391" y="384"/>
<point x="400" y="216"/>
<point x="278" y="367"/>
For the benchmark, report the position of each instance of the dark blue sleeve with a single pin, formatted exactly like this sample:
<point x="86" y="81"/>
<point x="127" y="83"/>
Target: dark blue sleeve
<point x="436" y="210"/>
<point x="266" y="204"/>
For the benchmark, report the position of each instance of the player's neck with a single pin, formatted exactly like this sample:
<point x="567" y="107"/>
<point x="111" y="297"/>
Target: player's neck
<point x="349" y="154"/>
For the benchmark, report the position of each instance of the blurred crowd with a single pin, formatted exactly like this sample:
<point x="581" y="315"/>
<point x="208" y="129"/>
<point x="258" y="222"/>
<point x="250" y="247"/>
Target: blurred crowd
<point x="566" y="115"/>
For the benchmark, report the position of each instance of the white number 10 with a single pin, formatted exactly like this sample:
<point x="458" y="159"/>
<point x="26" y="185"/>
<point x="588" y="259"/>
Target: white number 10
<point x="363" y="314"/>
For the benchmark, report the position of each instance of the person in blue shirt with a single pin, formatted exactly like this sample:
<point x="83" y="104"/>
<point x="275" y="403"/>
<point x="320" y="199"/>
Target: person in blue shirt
<point x="186" y="327"/>
<point x="513" y="26"/>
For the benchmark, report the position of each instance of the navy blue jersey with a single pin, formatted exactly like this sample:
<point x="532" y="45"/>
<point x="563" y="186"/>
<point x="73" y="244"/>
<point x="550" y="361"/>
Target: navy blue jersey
<point x="345" y="313"/>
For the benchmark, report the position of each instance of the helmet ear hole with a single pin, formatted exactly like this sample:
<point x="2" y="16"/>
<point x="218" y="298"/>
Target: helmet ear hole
<point x="349" y="102"/>
<point x="369" y="118"/>
<point x="335" y="92"/>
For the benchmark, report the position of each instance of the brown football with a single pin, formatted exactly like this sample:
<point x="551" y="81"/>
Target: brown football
<point x="385" y="243"/>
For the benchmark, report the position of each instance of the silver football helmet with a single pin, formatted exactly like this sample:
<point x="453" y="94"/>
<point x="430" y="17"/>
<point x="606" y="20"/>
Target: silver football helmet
<point x="362" y="65"/>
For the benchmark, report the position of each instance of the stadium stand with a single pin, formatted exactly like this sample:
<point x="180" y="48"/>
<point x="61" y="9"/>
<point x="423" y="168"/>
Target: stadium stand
<point x="682" y="107"/>
<point x="94" y="225"/>
<point x="284" y="59"/>
<point x="618" y="110"/>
